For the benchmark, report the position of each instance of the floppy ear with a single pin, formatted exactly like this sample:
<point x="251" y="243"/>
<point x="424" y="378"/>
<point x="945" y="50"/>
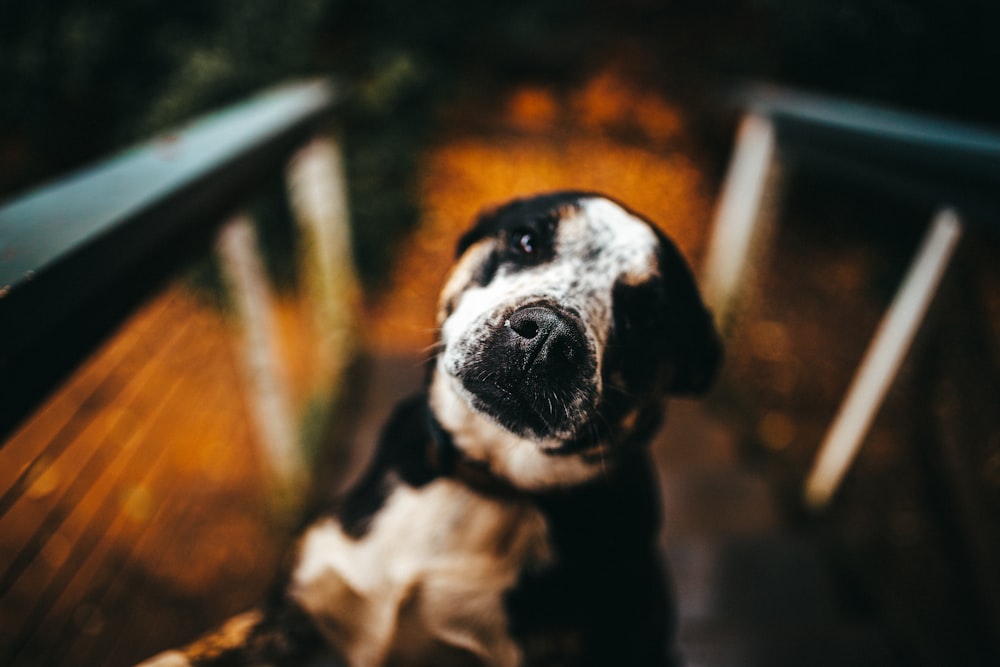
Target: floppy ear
<point x="692" y="344"/>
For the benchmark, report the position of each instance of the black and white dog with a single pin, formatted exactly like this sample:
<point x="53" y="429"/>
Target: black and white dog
<point x="510" y="515"/>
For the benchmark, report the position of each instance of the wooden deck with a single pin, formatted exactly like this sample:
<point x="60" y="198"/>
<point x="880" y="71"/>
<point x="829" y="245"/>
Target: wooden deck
<point x="134" y="498"/>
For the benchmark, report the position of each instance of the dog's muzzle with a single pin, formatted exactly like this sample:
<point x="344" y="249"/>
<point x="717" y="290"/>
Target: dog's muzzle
<point x="536" y="373"/>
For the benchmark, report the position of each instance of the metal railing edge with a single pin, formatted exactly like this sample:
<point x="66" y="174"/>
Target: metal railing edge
<point x="922" y="156"/>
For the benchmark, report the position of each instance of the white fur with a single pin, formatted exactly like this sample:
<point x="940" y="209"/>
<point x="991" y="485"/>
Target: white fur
<point x="522" y="462"/>
<point x="438" y="557"/>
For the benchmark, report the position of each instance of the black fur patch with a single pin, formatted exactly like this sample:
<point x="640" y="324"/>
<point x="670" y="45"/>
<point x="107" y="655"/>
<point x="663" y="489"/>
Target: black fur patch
<point x="692" y="341"/>
<point x="538" y="215"/>
<point x="603" y="601"/>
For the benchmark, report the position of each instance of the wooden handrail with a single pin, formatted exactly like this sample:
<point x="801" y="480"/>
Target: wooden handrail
<point x="78" y="254"/>
<point x="953" y="166"/>
<point x="927" y="159"/>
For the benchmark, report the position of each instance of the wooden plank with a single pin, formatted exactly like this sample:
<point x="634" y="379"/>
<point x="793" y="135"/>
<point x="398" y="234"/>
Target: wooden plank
<point x="60" y="419"/>
<point x="168" y="513"/>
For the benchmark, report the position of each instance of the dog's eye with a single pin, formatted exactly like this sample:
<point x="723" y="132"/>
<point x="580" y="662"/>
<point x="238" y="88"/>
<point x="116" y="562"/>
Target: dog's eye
<point x="525" y="243"/>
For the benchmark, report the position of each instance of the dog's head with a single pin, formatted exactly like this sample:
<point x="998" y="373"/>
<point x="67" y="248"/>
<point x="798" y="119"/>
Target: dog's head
<point x="565" y="321"/>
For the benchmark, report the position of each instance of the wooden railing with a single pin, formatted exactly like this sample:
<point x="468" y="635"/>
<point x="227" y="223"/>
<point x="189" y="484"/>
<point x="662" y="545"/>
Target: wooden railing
<point x="949" y="165"/>
<point x="917" y="523"/>
<point x="77" y="254"/>
<point x="162" y="394"/>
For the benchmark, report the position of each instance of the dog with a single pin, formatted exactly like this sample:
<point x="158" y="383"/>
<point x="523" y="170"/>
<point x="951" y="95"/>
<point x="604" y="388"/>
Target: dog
<point x="510" y="513"/>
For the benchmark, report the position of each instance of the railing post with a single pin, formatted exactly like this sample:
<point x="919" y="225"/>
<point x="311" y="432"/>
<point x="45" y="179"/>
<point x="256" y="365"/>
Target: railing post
<point x="882" y="360"/>
<point x="268" y="393"/>
<point x="318" y="192"/>
<point x="736" y="230"/>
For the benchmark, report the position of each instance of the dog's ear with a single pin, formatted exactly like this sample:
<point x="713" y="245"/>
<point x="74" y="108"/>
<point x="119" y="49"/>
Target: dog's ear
<point x="692" y="344"/>
<point x="664" y="338"/>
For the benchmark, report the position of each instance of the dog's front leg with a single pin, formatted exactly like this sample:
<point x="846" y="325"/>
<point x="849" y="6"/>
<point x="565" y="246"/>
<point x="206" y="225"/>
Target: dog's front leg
<point x="281" y="636"/>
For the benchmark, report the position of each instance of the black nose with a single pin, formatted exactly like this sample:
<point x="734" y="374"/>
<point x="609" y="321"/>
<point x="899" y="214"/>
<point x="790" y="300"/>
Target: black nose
<point x="535" y="373"/>
<point x="550" y="337"/>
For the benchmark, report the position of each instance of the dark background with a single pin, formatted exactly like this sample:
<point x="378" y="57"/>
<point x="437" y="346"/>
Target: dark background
<point x="83" y="78"/>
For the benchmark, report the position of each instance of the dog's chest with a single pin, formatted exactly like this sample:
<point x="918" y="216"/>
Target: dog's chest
<point x="426" y="581"/>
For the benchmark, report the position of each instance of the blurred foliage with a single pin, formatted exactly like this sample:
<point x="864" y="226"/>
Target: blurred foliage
<point x="81" y="78"/>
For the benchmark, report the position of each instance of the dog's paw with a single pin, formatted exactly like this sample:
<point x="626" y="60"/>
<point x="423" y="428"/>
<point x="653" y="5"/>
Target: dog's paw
<point x="166" y="659"/>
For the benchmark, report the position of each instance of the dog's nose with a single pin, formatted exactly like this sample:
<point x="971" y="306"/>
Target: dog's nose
<point x="535" y="373"/>
<point x="551" y="336"/>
